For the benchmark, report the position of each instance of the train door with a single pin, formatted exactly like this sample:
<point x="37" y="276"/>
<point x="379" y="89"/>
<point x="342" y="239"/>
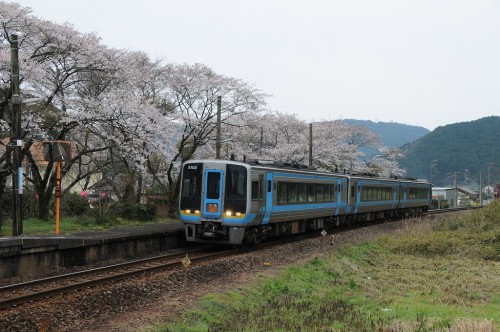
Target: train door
<point x="395" y="196"/>
<point x="339" y="196"/>
<point x="404" y="193"/>
<point x="258" y="197"/>
<point x="345" y="192"/>
<point x="212" y="195"/>
<point x="268" y="198"/>
<point x="356" y="194"/>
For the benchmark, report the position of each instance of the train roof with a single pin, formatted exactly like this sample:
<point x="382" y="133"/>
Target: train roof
<point x="295" y="166"/>
<point x="271" y="164"/>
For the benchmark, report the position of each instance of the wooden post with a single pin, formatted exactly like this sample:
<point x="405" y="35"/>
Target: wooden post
<point x="57" y="151"/>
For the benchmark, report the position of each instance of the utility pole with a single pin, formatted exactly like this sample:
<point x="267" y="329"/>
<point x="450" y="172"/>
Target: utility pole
<point x="490" y="165"/>
<point x="261" y="140"/>
<point x="16" y="141"/>
<point x="310" y="144"/>
<point x="218" y="142"/>
<point x="456" y="191"/>
<point x="433" y="164"/>
<point x="480" y="187"/>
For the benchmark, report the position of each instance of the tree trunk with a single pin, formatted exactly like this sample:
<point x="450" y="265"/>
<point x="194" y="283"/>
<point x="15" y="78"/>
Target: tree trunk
<point x="44" y="206"/>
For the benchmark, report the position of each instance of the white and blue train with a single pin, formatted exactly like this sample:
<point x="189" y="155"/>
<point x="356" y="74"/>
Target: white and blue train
<point x="232" y="202"/>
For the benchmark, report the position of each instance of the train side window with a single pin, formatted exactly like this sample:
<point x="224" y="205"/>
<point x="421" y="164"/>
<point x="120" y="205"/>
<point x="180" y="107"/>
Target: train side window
<point x="291" y="193"/>
<point x="281" y="194"/>
<point x="310" y="192"/>
<point x="319" y="193"/>
<point x="269" y="186"/>
<point x="333" y="192"/>
<point x="301" y="192"/>
<point x="326" y="192"/>
<point x="256" y="192"/>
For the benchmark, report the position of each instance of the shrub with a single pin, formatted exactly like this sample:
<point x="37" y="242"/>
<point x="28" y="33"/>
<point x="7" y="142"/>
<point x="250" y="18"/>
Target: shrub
<point x="74" y="205"/>
<point x="139" y="212"/>
<point x="103" y="216"/>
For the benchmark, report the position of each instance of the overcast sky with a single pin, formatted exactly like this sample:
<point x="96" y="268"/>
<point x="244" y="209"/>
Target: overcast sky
<point x="420" y="62"/>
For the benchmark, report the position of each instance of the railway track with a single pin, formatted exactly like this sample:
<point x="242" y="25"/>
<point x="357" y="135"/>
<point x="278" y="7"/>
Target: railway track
<point x="16" y="294"/>
<point x="444" y="211"/>
<point x="13" y="295"/>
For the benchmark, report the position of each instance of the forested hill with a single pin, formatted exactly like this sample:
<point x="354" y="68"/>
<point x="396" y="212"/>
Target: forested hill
<point x="392" y="134"/>
<point x="461" y="148"/>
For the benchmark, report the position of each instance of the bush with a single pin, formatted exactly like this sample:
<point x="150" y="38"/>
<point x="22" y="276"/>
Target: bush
<point x="102" y="217"/>
<point x="139" y="212"/>
<point x="74" y="205"/>
<point x="6" y="203"/>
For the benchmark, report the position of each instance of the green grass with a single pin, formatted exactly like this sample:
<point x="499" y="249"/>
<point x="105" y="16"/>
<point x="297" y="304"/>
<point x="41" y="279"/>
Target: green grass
<point x="72" y="225"/>
<point x="433" y="277"/>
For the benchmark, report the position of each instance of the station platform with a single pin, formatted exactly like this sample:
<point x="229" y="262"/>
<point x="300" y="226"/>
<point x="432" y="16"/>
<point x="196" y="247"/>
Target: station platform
<point x="28" y="255"/>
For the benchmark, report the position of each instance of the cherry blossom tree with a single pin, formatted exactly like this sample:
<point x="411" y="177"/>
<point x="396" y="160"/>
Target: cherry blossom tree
<point x="385" y="162"/>
<point x="337" y="146"/>
<point x="91" y="95"/>
<point x="190" y="93"/>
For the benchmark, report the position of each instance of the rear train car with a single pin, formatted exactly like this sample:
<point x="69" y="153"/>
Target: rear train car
<point x="232" y="202"/>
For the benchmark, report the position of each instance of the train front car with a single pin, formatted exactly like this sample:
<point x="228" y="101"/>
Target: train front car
<point x="214" y="204"/>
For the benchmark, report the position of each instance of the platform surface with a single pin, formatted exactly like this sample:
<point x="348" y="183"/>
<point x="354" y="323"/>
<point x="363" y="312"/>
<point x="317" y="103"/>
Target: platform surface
<point x="82" y="238"/>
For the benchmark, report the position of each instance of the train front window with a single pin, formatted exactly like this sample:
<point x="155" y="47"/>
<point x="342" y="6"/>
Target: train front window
<point x="236" y="188"/>
<point x="213" y="185"/>
<point x="191" y="186"/>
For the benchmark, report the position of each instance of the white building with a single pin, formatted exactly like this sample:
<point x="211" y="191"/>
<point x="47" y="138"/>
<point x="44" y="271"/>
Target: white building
<point x="447" y="194"/>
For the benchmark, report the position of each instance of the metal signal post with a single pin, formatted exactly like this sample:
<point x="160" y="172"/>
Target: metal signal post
<point x="15" y="141"/>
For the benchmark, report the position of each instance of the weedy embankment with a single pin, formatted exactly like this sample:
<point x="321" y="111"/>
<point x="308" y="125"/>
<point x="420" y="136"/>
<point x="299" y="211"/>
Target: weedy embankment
<point x="440" y="275"/>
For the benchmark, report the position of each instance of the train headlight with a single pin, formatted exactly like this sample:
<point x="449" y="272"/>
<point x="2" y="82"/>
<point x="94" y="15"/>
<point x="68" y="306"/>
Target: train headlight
<point x="228" y="213"/>
<point x="188" y="211"/>
<point x="196" y="211"/>
<point x="237" y="214"/>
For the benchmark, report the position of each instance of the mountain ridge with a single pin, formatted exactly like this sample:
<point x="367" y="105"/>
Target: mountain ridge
<point x="392" y="134"/>
<point x="465" y="150"/>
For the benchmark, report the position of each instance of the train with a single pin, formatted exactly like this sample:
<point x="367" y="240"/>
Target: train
<point x="232" y="202"/>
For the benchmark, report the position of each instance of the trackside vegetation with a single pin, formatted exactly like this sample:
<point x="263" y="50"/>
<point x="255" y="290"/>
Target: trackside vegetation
<point x="441" y="275"/>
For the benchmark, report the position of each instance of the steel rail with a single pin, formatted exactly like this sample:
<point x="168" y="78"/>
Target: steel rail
<point x="37" y="282"/>
<point x="103" y="280"/>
